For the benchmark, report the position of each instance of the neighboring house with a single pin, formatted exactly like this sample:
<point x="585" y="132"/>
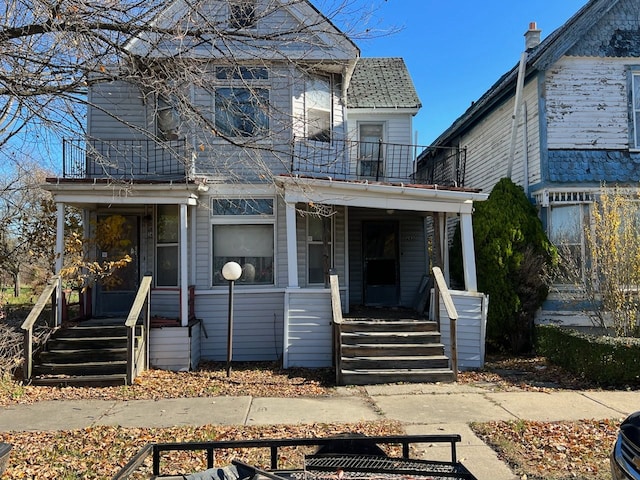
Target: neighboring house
<point x="310" y="166"/>
<point x="561" y="127"/>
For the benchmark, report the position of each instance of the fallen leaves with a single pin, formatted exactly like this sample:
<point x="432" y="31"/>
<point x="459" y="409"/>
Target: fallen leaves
<point x="210" y="380"/>
<point x="553" y="450"/>
<point x="100" y="452"/>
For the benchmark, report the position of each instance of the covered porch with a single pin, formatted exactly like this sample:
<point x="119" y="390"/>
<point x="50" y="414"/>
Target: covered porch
<point x="413" y="219"/>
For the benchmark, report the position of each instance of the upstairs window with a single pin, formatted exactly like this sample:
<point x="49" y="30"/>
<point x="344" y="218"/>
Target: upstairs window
<point x="242" y="112"/>
<point x="242" y="103"/>
<point x="318" y="109"/>
<point x="242" y="13"/>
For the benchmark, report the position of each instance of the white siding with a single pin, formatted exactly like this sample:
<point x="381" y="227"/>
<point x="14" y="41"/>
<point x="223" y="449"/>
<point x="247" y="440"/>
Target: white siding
<point x="489" y="142"/>
<point x="587" y="103"/>
<point x="470" y="328"/>
<point x="309" y="334"/>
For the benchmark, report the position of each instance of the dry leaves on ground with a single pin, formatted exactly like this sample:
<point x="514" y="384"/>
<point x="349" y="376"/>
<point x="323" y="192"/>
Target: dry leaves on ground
<point x="553" y="450"/>
<point x="210" y="380"/>
<point x="100" y="452"/>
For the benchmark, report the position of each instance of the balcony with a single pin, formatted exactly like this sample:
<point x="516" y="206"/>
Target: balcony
<point x="146" y="159"/>
<point x="376" y="161"/>
<point x="141" y="159"/>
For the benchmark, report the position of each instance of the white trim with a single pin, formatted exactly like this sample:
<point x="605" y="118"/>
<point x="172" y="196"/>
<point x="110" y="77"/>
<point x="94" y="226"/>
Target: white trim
<point x="468" y="253"/>
<point x="184" y="270"/>
<point x="59" y="256"/>
<point x="292" y="245"/>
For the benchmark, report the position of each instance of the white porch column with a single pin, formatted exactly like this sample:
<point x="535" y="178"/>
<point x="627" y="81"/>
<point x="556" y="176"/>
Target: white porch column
<point x="292" y="246"/>
<point x="184" y="271"/>
<point x="59" y="256"/>
<point x="468" y="252"/>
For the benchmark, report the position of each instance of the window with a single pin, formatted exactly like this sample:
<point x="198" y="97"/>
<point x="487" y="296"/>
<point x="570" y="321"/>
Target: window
<point x="167" y="254"/>
<point x="635" y="109"/>
<point x="242" y="13"/>
<point x="567" y="233"/>
<point x="242" y="112"/>
<point x="370" y="152"/>
<point x="319" y="225"/>
<point x="242" y="103"/>
<point x="167" y="120"/>
<point x="318" y="109"/>
<point x="243" y="232"/>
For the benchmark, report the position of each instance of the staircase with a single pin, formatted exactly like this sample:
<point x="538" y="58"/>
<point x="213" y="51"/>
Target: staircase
<point x="92" y="353"/>
<point x="379" y="350"/>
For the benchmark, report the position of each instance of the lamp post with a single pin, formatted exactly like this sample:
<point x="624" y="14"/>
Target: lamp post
<point x="231" y="272"/>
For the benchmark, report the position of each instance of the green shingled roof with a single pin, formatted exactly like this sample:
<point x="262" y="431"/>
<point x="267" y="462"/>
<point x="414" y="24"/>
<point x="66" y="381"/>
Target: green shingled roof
<point x="382" y="83"/>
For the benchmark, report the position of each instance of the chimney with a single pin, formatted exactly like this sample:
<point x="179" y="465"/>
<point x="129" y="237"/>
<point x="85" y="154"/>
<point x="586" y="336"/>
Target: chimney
<point x="532" y="37"/>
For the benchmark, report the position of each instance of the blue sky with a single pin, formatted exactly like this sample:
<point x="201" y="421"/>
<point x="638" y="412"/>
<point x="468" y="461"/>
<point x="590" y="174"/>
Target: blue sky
<point x="456" y="49"/>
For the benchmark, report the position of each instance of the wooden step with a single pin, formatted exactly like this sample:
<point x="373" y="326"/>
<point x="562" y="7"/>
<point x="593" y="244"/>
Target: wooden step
<point x="390" y="337"/>
<point x="77" y="368"/>
<point x="388" y="325"/>
<point x="376" y="377"/>
<point x="391" y="349"/>
<point x="386" y="363"/>
<point x="80" y="380"/>
<point x="82" y="355"/>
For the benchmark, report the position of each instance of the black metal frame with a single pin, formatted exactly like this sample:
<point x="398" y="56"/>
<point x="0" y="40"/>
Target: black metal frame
<point x="346" y="444"/>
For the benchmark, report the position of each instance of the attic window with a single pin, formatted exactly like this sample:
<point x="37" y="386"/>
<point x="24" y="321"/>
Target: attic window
<point x="242" y="13"/>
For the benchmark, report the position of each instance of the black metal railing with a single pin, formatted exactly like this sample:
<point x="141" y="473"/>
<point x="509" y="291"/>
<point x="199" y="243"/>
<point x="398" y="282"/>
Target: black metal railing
<point x="137" y="158"/>
<point x="353" y="160"/>
<point x="442" y="166"/>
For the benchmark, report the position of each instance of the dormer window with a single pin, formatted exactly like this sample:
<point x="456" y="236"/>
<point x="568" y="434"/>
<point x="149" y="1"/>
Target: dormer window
<point x="242" y="13"/>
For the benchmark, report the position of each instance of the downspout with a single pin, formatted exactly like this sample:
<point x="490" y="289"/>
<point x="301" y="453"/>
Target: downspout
<point x="525" y="151"/>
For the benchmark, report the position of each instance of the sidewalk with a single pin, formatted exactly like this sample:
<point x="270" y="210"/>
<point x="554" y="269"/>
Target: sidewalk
<point x="422" y="408"/>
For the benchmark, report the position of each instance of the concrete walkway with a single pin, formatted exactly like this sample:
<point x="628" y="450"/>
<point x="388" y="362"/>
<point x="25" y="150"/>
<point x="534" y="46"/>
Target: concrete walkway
<point x="421" y="408"/>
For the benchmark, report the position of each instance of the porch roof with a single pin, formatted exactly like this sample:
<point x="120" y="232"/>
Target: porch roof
<point x="420" y="198"/>
<point x="94" y="192"/>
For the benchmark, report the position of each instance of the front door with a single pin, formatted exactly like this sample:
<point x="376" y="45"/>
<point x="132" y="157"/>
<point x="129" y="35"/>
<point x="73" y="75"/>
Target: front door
<point x="115" y="294"/>
<point x="381" y="263"/>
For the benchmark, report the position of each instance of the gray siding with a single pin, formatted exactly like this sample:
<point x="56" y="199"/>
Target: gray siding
<point x="257" y="324"/>
<point x="309" y="335"/>
<point x="117" y="105"/>
<point x="170" y="348"/>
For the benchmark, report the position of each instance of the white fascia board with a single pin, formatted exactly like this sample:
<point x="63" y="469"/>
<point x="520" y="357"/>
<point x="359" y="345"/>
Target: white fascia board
<point x="378" y="196"/>
<point x="383" y="111"/>
<point x="125" y="195"/>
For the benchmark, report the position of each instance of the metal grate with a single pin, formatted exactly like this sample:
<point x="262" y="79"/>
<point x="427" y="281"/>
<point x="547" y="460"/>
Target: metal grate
<point x="368" y="467"/>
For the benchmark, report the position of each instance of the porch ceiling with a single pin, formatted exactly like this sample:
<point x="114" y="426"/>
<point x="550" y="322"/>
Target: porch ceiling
<point x="420" y="198"/>
<point x="97" y="193"/>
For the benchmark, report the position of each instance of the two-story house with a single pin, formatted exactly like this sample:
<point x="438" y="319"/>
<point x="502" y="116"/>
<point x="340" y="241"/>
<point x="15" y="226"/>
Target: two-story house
<point x="287" y="153"/>
<point x="560" y="123"/>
